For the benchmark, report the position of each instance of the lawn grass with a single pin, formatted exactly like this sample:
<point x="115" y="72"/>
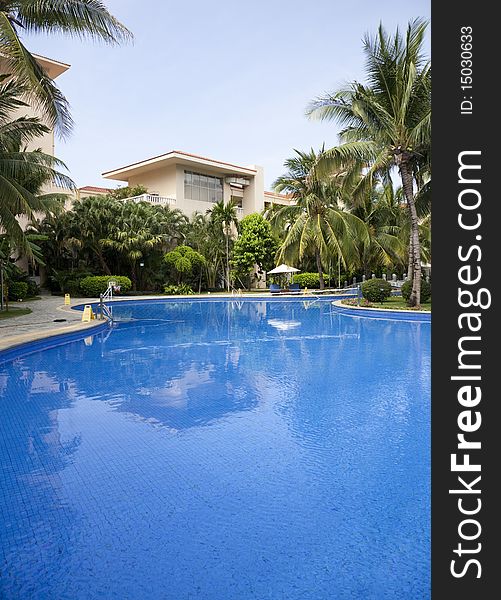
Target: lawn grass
<point x="392" y="303"/>
<point x="14" y="312"/>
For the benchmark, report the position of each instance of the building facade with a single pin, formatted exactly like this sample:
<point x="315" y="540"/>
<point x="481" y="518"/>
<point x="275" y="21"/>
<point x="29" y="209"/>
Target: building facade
<point x="194" y="183"/>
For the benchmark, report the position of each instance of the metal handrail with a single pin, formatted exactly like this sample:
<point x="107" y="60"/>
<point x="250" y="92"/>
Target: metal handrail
<point x="104" y="310"/>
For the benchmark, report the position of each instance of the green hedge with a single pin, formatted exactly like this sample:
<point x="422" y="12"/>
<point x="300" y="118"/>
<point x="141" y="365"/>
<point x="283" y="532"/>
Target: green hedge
<point x="376" y="290"/>
<point x="425" y="290"/>
<point x="308" y="280"/>
<point x="98" y="284"/>
<point x="18" y="290"/>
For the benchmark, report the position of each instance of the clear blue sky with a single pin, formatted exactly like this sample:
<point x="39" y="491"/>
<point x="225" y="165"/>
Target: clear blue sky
<point x="224" y="79"/>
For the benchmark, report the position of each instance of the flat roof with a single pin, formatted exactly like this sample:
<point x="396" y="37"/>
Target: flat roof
<point x="176" y="157"/>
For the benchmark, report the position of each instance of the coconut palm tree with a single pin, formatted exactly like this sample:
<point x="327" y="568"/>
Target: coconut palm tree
<point x="23" y="173"/>
<point x="387" y="122"/>
<point x="382" y="211"/>
<point x="317" y="223"/>
<point x="224" y="216"/>
<point x="77" y="18"/>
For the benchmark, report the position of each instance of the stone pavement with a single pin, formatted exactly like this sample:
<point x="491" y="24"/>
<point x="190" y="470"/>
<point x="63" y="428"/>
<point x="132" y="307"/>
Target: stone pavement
<point x="41" y="322"/>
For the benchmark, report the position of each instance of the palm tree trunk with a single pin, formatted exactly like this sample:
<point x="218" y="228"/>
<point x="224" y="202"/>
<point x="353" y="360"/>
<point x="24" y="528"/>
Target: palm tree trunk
<point x="133" y="276"/>
<point x="410" y="264"/>
<point x="407" y="186"/>
<point x="227" y="262"/>
<point x="319" y="269"/>
<point x="104" y="266"/>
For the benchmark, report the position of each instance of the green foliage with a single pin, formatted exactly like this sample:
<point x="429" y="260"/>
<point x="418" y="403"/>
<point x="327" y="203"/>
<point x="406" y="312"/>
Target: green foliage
<point x="318" y="224"/>
<point x="33" y="288"/>
<point x="67" y="281"/>
<point x="256" y="246"/>
<point x="22" y="173"/>
<point x="425" y="290"/>
<point x="18" y="290"/>
<point x="89" y="19"/>
<point x="184" y="261"/>
<point x="121" y="193"/>
<point x="386" y="123"/>
<point x="13" y="274"/>
<point x="97" y="284"/>
<point x="376" y="290"/>
<point x="307" y="280"/>
<point x="178" y="290"/>
<point x="114" y="237"/>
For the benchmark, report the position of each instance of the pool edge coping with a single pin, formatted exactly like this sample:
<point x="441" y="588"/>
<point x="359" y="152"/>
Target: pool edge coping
<point x="419" y="315"/>
<point x="24" y="339"/>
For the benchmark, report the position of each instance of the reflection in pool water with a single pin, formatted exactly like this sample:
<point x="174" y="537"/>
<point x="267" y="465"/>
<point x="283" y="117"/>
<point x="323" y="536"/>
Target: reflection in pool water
<point x="226" y="450"/>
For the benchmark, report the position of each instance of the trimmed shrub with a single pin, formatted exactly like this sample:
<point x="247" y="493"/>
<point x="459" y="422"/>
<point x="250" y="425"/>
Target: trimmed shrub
<point x="178" y="290"/>
<point x="98" y="284"/>
<point x="425" y="290"/>
<point x="309" y="280"/>
<point x="376" y="290"/>
<point x="18" y="290"/>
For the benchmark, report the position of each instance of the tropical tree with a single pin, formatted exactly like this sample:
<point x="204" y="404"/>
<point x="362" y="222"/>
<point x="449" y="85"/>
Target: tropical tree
<point x="317" y="224"/>
<point x="256" y="246"/>
<point x="387" y="122"/>
<point x="208" y="239"/>
<point x="23" y="173"/>
<point x="185" y="262"/>
<point x="88" y="223"/>
<point x="383" y="213"/>
<point x="122" y="193"/>
<point x="139" y="229"/>
<point x="224" y="217"/>
<point x="77" y="18"/>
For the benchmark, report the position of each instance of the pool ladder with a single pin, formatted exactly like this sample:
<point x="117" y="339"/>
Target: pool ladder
<point x="106" y="312"/>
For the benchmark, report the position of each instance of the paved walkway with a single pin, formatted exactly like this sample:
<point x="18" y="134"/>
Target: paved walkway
<point x="42" y="322"/>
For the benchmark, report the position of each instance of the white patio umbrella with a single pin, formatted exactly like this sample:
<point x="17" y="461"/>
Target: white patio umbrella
<point x="283" y="268"/>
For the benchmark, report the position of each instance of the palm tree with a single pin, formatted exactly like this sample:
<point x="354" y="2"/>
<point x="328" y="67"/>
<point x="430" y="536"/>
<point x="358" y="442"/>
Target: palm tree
<point x="387" y="123"/>
<point x="139" y="228"/>
<point x="317" y="223"/>
<point x="90" y="220"/>
<point x="77" y="18"/>
<point x="224" y="216"/>
<point x="205" y="237"/>
<point x="23" y="173"/>
<point x="381" y="211"/>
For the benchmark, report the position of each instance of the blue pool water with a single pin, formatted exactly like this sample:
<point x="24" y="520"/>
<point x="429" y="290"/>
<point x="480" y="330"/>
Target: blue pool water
<point x="222" y="451"/>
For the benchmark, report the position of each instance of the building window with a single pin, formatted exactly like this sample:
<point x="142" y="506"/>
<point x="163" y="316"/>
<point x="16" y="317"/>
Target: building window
<point x="202" y="187"/>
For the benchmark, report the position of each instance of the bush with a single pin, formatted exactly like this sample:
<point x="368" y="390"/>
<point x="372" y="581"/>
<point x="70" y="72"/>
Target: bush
<point x="178" y="290"/>
<point x="67" y="281"/>
<point x="97" y="284"/>
<point x="425" y="290"/>
<point x="376" y="290"/>
<point x="309" y="280"/>
<point x="18" y="290"/>
<point x="33" y="288"/>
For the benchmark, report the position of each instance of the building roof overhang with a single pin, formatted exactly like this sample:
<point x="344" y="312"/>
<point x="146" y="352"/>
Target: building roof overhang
<point x="177" y="157"/>
<point x="52" y="67"/>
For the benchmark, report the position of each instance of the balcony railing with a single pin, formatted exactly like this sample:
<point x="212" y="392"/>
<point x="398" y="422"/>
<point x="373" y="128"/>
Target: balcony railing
<point x="152" y="199"/>
<point x="240" y="211"/>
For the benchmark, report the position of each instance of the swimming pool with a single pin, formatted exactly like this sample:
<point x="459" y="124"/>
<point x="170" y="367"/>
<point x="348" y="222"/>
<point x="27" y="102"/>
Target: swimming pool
<point x="219" y="450"/>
